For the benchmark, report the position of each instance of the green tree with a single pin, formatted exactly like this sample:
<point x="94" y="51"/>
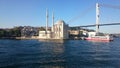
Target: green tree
<point x="2" y="33"/>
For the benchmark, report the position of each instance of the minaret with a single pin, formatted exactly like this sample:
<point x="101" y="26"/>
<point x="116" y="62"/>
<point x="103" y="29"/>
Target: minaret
<point x="52" y="21"/>
<point x="46" y="20"/>
<point x="97" y="18"/>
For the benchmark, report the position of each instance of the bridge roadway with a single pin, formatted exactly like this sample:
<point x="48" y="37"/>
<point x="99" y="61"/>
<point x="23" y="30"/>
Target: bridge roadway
<point x="98" y="25"/>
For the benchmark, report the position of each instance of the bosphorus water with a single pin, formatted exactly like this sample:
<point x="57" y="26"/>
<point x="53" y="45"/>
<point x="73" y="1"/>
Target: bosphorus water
<point x="59" y="54"/>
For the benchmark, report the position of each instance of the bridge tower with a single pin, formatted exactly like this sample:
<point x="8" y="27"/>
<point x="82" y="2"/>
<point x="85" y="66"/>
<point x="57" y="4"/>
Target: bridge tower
<point x="97" y="17"/>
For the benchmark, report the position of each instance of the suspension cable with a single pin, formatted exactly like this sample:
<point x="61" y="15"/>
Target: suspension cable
<point x="81" y="15"/>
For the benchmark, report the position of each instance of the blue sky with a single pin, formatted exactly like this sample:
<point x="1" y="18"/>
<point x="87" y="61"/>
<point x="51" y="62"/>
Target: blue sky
<point x="32" y="13"/>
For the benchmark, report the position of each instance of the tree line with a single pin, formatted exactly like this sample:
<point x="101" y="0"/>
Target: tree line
<point x="18" y="32"/>
<point x="13" y="32"/>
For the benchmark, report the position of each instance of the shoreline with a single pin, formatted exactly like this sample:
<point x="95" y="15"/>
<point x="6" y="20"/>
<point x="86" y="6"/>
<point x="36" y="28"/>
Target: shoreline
<point x="36" y="38"/>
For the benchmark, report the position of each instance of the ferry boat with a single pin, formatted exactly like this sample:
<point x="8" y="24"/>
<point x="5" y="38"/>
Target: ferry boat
<point x="93" y="36"/>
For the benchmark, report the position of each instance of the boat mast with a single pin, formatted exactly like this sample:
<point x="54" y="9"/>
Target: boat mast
<point x="97" y="17"/>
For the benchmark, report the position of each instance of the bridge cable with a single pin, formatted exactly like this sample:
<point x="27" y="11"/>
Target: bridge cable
<point x="81" y="15"/>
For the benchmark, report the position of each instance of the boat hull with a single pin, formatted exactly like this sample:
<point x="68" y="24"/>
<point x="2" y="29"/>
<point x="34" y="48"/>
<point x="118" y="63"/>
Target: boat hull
<point x="98" y="39"/>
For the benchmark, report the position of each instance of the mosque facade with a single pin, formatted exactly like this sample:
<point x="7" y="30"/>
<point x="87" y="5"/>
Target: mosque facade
<point x="59" y="30"/>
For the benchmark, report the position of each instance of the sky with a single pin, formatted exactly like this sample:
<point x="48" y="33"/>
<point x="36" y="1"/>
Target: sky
<point x="73" y="12"/>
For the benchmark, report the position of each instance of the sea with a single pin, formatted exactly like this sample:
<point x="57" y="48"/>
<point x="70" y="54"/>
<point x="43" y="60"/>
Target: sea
<point x="59" y="54"/>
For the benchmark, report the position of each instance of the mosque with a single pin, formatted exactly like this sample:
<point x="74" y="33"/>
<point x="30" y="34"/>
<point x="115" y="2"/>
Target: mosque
<point x="59" y="30"/>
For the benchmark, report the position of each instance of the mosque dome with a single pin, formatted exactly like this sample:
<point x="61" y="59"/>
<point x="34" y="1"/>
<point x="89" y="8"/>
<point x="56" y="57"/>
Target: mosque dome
<point x="60" y="22"/>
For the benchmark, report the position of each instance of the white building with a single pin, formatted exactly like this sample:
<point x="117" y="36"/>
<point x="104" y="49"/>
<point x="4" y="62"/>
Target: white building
<point x="45" y="35"/>
<point x="91" y="34"/>
<point x="58" y="30"/>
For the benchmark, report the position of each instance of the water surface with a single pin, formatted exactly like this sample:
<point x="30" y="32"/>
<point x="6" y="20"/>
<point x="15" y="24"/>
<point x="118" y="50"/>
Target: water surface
<point x="59" y="54"/>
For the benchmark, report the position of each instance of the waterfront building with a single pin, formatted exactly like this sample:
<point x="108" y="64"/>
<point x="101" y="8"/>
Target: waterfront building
<point x="61" y="30"/>
<point x="58" y="30"/>
<point x="28" y="31"/>
<point x="45" y="35"/>
<point x="74" y="32"/>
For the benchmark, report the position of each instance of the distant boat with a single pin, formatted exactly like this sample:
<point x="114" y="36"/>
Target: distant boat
<point x="98" y="37"/>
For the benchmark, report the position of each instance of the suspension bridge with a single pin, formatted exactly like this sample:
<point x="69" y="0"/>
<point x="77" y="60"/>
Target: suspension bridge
<point x="97" y="17"/>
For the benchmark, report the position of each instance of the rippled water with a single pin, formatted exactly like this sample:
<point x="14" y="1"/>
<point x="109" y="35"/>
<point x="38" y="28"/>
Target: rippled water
<point x="59" y="54"/>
